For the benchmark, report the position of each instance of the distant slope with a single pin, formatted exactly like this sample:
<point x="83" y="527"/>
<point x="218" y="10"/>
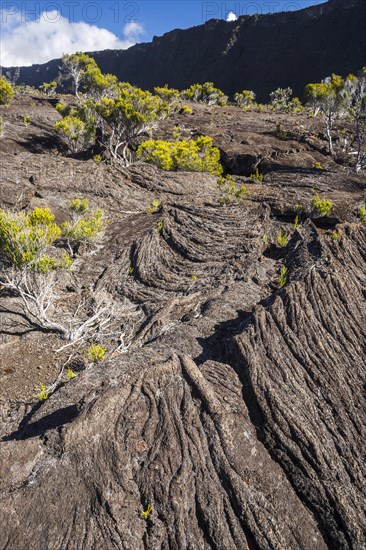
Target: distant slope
<point x="260" y="52"/>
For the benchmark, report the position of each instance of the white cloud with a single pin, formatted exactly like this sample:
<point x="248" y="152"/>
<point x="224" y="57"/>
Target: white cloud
<point x="231" y="16"/>
<point x="52" y="35"/>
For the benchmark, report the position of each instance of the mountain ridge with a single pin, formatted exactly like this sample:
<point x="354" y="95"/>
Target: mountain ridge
<point x="258" y="52"/>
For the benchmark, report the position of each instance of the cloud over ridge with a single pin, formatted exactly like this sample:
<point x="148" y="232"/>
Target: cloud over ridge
<point x="23" y="43"/>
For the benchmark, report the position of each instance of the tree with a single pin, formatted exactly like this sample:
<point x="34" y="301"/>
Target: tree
<point x="132" y="113"/>
<point x="74" y="67"/>
<point x="6" y="91"/>
<point x="84" y="71"/>
<point x="329" y="98"/>
<point x="356" y="89"/>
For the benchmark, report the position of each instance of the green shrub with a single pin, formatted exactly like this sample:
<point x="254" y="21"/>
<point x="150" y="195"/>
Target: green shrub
<point x="280" y="99"/>
<point x="48" y="88"/>
<point x="76" y="133"/>
<point x="25" y="236"/>
<point x="84" y="228"/>
<point x="318" y="166"/>
<point x="205" y="93"/>
<point x="245" y="99"/>
<point x="27" y="120"/>
<point x="336" y="235"/>
<point x="322" y="207"/>
<point x="79" y="206"/>
<point x="167" y="94"/>
<point x="193" y="156"/>
<point x="95" y="353"/>
<point x="186" y="110"/>
<point x="6" y="91"/>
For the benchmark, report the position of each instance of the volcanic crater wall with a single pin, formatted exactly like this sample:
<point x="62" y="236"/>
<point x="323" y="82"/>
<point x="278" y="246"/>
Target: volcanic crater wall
<point x="260" y="52"/>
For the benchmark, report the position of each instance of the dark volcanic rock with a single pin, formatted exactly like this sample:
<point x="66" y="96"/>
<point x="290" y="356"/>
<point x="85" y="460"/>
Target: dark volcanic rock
<point x="238" y="411"/>
<point x="260" y="52"/>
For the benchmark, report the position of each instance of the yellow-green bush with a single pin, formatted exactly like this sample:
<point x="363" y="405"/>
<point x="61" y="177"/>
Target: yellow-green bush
<point x="205" y="93"/>
<point x="6" y="91"/>
<point x="194" y="155"/>
<point x="322" y="207"/>
<point x="95" y="353"/>
<point x="25" y="235"/>
<point x="85" y="226"/>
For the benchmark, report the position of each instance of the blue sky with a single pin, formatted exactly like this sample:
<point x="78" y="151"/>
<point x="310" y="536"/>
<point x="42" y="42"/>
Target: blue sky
<point x="36" y="31"/>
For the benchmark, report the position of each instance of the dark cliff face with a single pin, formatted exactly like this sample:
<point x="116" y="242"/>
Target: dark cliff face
<point x="260" y="52"/>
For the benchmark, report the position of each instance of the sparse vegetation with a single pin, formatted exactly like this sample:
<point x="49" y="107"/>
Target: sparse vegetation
<point x="257" y="176"/>
<point x="282" y="278"/>
<point x="230" y="193"/>
<point x="318" y="166"/>
<point x="154" y="207"/>
<point x="280" y="132"/>
<point x="85" y="226"/>
<point x="282" y="239"/>
<point x="321" y="206"/>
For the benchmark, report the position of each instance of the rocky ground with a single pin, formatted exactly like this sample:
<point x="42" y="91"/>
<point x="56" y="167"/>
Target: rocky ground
<point x="238" y="412"/>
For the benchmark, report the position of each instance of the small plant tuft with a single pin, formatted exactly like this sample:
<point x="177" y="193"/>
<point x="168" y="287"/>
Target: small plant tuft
<point x="318" y="166"/>
<point x="282" y="278"/>
<point x="282" y="239"/>
<point x="146" y="513"/>
<point x="43" y="394"/>
<point x="154" y="207"/>
<point x="257" y="176"/>
<point x="98" y="158"/>
<point x="70" y="375"/>
<point x="322" y="207"/>
<point x="362" y="214"/>
<point x="279" y="132"/>
<point x="95" y="353"/>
